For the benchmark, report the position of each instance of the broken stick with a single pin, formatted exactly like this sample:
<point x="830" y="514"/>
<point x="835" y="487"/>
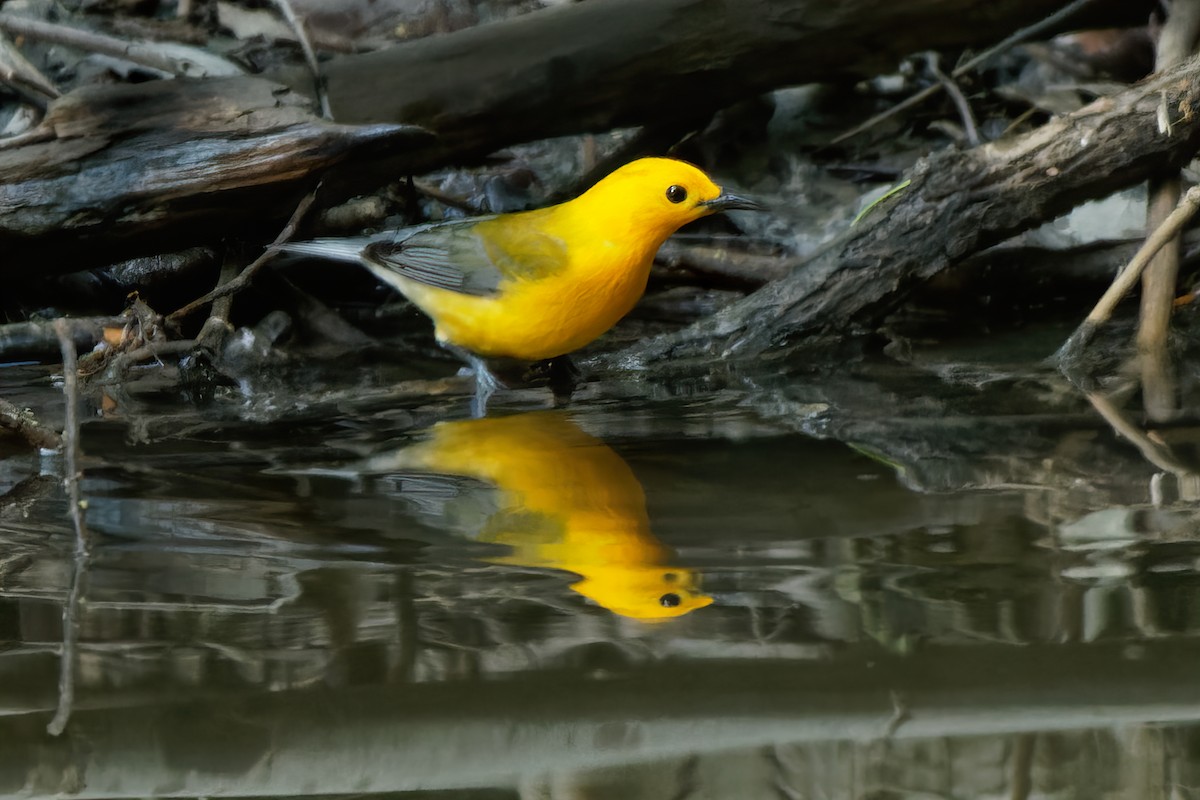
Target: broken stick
<point x="1171" y="226"/>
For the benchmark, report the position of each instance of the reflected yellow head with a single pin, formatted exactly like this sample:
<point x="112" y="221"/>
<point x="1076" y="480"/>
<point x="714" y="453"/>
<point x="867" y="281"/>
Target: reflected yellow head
<point x="648" y="593"/>
<point x="567" y="502"/>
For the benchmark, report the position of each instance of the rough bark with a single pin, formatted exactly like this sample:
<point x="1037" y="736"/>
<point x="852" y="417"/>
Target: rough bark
<point x="161" y="165"/>
<point x="135" y="167"/>
<point x="596" y="66"/>
<point x="958" y="203"/>
<point x="157" y="166"/>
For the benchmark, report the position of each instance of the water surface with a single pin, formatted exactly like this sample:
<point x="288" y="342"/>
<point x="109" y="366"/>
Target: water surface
<point x="938" y="579"/>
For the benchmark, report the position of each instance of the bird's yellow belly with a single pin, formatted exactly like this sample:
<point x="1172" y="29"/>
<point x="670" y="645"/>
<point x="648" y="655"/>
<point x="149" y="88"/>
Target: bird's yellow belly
<point x="531" y="320"/>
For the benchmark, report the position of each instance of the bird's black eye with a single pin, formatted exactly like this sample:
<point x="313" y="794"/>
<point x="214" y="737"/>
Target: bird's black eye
<point x="669" y="600"/>
<point x="676" y="193"/>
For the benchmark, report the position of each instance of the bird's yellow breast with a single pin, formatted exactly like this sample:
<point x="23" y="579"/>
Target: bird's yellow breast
<point x="543" y="317"/>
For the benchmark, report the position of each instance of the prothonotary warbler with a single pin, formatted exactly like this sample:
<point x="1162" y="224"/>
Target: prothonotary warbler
<point x="562" y="500"/>
<point x="537" y="284"/>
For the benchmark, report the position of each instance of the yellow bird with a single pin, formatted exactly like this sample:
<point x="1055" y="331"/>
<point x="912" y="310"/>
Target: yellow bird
<point x="564" y="500"/>
<point x="538" y="284"/>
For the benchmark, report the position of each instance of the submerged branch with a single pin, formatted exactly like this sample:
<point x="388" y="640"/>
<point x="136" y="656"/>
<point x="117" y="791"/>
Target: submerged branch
<point x="70" y="615"/>
<point x="1165" y="233"/>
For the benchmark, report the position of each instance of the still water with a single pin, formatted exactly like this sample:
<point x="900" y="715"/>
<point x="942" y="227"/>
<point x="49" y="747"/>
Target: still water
<point x="924" y="580"/>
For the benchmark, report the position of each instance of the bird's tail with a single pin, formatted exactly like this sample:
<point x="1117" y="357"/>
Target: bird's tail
<point x="340" y="249"/>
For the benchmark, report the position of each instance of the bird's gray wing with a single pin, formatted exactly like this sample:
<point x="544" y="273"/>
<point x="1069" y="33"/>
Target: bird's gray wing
<point x="470" y="256"/>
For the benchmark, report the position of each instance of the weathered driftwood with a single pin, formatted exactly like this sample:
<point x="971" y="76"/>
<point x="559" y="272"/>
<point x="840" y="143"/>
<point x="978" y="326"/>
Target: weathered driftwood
<point x="958" y="203"/>
<point x="157" y="166"/>
<point x="596" y="66"/>
<point x="153" y="166"/>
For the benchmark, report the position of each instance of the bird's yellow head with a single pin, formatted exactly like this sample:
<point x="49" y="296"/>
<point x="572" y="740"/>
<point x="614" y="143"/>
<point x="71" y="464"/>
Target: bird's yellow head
<point x="657" y="196"/>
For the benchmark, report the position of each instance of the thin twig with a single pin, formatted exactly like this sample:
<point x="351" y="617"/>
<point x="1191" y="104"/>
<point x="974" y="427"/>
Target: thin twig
<point x="1158" y="454"/>
<point x="1125" y="280"/>
<point x="125" y="361"/>
<point x="1176" y="42"/>
<point x="23" y="423"/>
<point x="247" y="275"/>
<point x="310" y="55"/>
<point x="17" y="84"/>
<point x="71" y="424"/>
<point x="956" y="95"/>
<point x="24" y="77"/>
<point x="66" y="670"/>
<point x="1028" y="32"/>
<point x="900" y="715"/>
<point x="42" y="133"/>
<point x="446" y="198"/>
<point x="1021" y="776"/>
<point x="171" y="60"/>
<point x="217" y="326"/>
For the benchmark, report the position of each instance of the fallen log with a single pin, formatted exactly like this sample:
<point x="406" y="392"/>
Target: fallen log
<point x="121" y="171"/>
<point x="956" y="204"/>
<point x="596" y="66"/>
<point x="129" y="169"/>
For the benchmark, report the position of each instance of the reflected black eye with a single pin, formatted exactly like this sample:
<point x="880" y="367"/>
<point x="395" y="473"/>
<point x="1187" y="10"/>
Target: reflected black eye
<point x="669" y="600"/>
<point x="670" y="577"/>
<point x="676" y="193"/>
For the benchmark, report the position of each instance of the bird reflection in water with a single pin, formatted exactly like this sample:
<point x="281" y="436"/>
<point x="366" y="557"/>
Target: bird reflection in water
<point x="564" y="500"/>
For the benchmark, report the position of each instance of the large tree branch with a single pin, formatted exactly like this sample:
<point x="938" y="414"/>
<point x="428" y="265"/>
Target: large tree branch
<point x="958" y="203"/>
<point x="596" y="66"/>
<point x="160" y="165"/>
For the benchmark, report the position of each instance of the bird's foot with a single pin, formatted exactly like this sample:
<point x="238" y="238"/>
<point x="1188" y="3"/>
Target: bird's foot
<point x="558" y="373"/>
<point x="485" y="386"/>
<point x="486" y="382"/>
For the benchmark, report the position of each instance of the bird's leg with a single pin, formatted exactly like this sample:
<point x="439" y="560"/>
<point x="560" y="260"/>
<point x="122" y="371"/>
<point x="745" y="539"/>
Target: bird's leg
<point x="486" y="383"/>
<point x="564" y="377"/>
<point x="485" y="386"/>
<point x="558" y="373"/>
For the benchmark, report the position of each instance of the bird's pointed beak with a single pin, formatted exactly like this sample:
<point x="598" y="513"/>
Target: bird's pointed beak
<point x="732" y="202"/>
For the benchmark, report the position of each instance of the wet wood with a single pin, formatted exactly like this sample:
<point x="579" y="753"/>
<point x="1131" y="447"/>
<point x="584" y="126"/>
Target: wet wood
<point x="130" y="169"/>
<point x="958" y="203"/>
<point x="1167" y="233"/>
<point x="22" y="423"/>
<point x="595" y="66"/>
<point x="120" y="171"/>
<point x="38" y="340"/>
<point x="1176" y="42"/>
